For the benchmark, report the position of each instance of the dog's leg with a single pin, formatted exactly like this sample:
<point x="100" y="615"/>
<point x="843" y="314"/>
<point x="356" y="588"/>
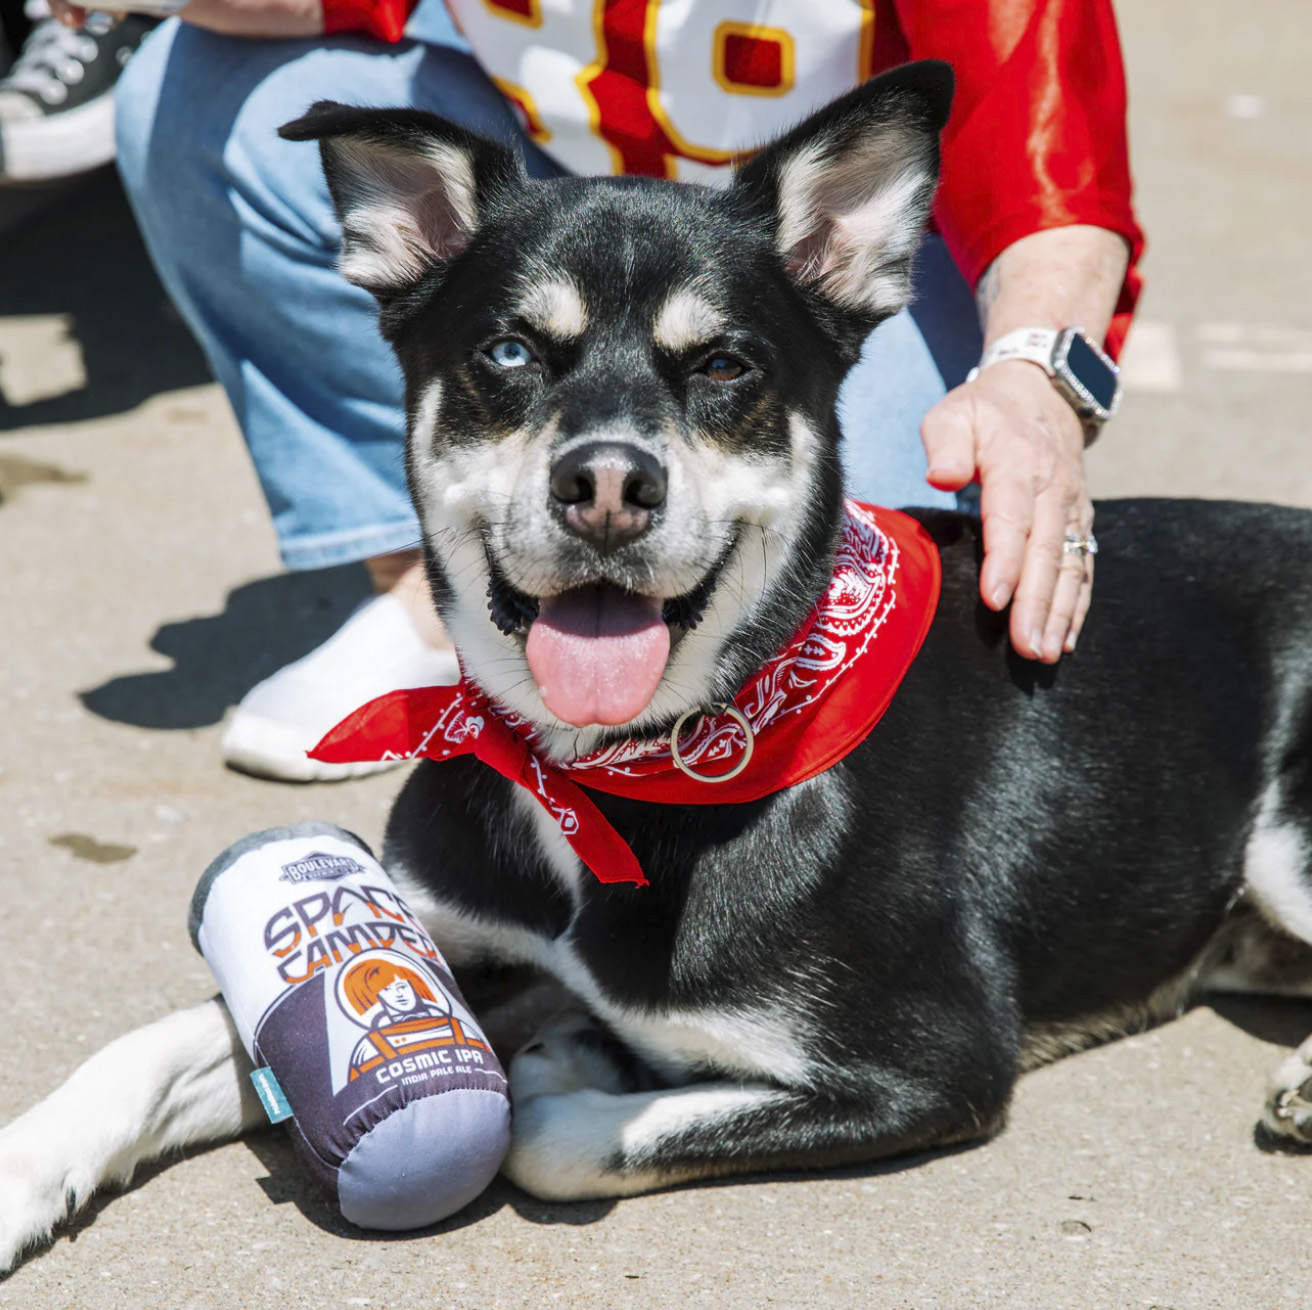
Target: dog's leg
<point x="578" y="1132"/>
<point x="1271" y="949"/>
<point x="1250" y="956"/>
<point x="175" y="1082"/>
<point x="1288" y="1109"/>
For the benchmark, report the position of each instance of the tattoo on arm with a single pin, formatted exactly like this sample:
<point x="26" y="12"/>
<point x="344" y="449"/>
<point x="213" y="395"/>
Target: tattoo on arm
<point x="1055" y="278"/>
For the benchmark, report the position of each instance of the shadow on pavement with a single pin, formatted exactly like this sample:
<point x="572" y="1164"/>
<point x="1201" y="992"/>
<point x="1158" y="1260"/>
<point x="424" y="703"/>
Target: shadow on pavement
<point x="219" y="657"/>
<point x="1284" y="1022"/>
<point x="287" y="1182"/>
<point x="76" y="251"/>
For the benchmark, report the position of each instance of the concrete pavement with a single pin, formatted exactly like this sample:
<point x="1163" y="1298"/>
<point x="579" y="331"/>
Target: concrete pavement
<point x="142" y="595"/>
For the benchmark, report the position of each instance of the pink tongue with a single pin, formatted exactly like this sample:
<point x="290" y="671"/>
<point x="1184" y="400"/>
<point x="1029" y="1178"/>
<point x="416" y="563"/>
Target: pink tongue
<point x="597" y="654"/>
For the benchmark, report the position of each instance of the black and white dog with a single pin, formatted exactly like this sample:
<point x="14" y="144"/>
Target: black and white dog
<point x="627" y="387"/>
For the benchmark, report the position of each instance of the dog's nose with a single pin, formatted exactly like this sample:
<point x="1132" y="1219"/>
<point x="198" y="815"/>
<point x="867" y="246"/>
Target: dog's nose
<point x="605" y="491"/>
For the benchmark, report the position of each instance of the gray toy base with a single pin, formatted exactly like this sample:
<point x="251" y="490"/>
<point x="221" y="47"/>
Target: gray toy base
<point x="426" y="1160"/>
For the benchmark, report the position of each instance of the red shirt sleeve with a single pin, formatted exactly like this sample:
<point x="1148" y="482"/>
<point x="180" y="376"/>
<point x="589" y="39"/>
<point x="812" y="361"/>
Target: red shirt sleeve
<point x="385" y="19"/>
<point x="1037" y="136"/>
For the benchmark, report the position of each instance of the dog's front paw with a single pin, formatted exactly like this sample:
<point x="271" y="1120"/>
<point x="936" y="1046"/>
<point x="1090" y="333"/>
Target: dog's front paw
<point x="37" y="1189"/>
<point x="564" y="1087"/>
<point x="561" y="1146"/>
<point x="569" y="1053"/>
<point x="1288" y="1111"/>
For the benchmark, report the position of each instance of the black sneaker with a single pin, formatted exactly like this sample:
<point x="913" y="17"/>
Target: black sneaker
<point x="57" y="99"/>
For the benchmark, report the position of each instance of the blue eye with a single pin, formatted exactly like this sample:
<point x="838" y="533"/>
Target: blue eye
<point x="510" y="354"/>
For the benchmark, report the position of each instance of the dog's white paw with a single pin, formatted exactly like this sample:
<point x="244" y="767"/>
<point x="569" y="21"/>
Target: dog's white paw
<point x="567" y="1091"/>
<point x="1288" y="1110"/>
<point x="39" y="1186"/>
<point x="176" y="1081"/>
<point x="560" y="1146"/>
<point x="569" y="1053"/>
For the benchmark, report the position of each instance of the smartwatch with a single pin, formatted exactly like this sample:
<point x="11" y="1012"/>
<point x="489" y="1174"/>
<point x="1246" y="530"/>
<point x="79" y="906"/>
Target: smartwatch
<point x="1079" y="368"/>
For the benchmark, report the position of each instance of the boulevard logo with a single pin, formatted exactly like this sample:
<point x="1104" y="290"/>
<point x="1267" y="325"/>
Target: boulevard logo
<point x="319" y="865"/>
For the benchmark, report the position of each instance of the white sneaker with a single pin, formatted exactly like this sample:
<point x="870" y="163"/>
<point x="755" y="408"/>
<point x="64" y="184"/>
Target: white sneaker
<point x="375" y="651"/>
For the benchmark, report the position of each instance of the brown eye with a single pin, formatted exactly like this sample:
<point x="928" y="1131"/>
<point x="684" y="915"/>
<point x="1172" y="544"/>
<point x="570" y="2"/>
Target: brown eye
<point x="723" y="368"/>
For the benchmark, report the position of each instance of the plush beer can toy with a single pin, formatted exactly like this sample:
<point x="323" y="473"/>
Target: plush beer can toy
<point x="361" y="1039"/>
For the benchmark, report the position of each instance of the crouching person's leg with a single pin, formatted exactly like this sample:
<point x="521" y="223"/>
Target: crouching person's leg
<point x="240" y="227"/>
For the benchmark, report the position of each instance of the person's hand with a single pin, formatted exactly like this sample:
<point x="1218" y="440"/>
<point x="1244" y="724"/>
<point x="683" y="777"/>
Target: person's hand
<point x="69" y="15"/>
<point x="267" y="18"/>
<point x="1012" y="431"/>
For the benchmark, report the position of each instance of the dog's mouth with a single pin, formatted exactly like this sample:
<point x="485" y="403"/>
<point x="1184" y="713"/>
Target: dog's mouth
<point x="597" y="652"/>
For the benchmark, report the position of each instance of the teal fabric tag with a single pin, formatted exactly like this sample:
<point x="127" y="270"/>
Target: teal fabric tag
<point x="271" y="1095"/>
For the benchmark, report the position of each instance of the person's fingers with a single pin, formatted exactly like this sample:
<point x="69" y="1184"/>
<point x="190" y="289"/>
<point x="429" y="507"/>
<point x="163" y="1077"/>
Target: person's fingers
<point x="1007" y="510"/>
<point x="68" y="14"/>
<point x="1013" y="432"/>
<point x="1071" y="580"/>
<point x="1040" y="572"/>
<point x="1081" y="607"/>
<point x="1062" y="634"/>
<point x="948" y="431"/>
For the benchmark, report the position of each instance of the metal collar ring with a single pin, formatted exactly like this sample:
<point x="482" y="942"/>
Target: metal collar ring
<point x="719" y="708"/>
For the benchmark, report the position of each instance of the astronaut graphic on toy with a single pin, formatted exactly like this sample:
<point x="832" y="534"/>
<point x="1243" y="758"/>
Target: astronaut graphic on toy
<point x="412" y="1016"/>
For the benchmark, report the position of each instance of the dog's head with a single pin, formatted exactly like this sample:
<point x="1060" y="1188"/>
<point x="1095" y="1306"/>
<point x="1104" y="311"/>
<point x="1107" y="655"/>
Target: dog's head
<point x="621" y="391"/>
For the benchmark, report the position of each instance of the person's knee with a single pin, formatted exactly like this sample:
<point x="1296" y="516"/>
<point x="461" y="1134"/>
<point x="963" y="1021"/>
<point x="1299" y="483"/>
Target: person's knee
<point x="136" y="97"/>
<point x="174" y="107"/>
<point x="197" y="120"/>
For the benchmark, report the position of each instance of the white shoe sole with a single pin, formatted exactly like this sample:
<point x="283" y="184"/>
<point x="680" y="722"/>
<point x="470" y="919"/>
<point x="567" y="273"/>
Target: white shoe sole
<point x="266" y="748"/>
<point x="62" y="145"/>
<point x="376" y="651"/>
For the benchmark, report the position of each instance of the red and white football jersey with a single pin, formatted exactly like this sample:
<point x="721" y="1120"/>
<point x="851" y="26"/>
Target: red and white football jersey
<point x="670" y="88"/>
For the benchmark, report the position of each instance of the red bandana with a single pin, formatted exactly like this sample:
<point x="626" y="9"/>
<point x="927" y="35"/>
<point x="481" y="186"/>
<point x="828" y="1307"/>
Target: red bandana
<point x="809" y="706"/>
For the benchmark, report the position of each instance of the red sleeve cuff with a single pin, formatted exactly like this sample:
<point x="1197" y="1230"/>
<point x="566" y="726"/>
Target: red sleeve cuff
<point x="384" y="19"/>
<point x="1037" y="134"/>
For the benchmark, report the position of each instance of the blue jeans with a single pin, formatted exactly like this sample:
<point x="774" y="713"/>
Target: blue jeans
<point x="242" y="232"/>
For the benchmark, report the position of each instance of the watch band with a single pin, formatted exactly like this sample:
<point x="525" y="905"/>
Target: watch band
<point x="1033" y="344"/>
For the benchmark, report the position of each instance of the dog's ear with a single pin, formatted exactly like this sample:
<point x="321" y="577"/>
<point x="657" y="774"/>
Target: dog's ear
<point x="410" y="189"/>
<point x="849" y="189"/>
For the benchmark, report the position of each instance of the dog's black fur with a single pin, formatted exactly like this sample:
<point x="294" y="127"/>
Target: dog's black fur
<point x="1016" y="847"/>
<point x="1020" y="859"/>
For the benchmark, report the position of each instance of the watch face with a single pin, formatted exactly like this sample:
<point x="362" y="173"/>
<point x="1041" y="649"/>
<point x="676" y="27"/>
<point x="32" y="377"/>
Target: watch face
<point x="1091" y="371"/>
